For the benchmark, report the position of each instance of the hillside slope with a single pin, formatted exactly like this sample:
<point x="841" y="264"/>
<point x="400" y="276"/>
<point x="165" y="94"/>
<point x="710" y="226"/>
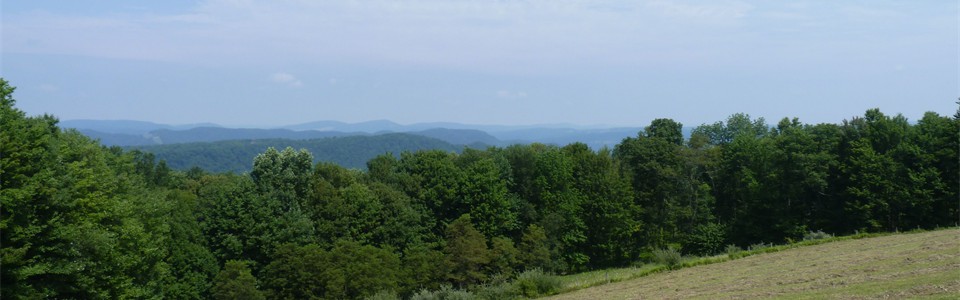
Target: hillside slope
<point x="237" y="155"/>
<point x="896" y="267"/>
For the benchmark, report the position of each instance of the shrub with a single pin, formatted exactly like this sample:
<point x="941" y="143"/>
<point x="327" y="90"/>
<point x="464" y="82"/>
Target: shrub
<point x="733" y="250"/>
<point x="458" y="294"/>
<point x="816" y="235"/>
<point x="706" y="239"/>
<point x="645" y="257"/>
<point x="669" y="257"/>
<point x="446" y="292"/>
<point x="425" y="294"/>
<point x="498" y="291"/>
<point x="498" y="279"/>
<point x="384" y="295"/>
<point x="759" y="246"/>
<point x="533" y="283"/>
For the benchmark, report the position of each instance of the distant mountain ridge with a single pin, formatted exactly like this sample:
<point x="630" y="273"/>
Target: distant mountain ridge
<point x="126" y="126"/>
<point x="216" y="134"/>
<point x="139" y="133"/>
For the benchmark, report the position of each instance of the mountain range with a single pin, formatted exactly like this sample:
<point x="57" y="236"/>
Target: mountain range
<point x="140" y="133"/>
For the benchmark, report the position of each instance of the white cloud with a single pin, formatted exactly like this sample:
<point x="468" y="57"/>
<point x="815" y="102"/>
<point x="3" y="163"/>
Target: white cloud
<point x="456" y="34"/>
<point x="286" y="79"/>
<point x="540" y="36"/>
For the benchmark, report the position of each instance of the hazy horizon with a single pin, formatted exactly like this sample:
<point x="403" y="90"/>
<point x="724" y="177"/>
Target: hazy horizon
<point x="593" y="63"/>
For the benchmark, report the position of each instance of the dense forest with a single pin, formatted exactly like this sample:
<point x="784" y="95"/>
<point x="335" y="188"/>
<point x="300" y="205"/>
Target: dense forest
<point x="237" y="155"/>
<point x="81" y="220"/>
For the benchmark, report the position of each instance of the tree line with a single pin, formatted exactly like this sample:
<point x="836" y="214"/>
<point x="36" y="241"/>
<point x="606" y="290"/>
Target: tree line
<point x="80" y="220"/>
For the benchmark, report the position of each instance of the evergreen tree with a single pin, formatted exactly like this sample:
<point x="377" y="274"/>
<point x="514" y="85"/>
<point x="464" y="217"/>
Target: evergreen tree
<point x="534" y="252"/>
<point x="466" y="252"/>
<point x="236" y="282"/>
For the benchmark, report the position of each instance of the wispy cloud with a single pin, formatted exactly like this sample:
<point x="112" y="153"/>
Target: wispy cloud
<point x="286" y="79"/>
<point x="456" y="34"/>
<point x="534" y="35"/>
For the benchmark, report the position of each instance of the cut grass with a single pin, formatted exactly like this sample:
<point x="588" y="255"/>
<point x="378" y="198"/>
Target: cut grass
<point x="915" y="265"/>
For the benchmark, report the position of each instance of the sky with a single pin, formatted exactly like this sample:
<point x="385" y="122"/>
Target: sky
<point x="616" y="63"/>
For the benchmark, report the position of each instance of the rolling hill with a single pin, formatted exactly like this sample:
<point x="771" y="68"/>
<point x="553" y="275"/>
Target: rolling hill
<point x="237" y="155"/>
<point x="138" y="133"/>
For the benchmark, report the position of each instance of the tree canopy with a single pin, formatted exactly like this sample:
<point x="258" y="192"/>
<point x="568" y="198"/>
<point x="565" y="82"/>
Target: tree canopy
<point x="80" y="220"/>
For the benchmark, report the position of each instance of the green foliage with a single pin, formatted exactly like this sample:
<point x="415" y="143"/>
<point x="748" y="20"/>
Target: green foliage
<point x="534" y="283"/>
<point x="608" y="209"/>
<point x="706" y="239"/>
<point x="732" y="250"/>
<point x="534" y="253"/>
<point x="484" y="194"/>
<point x="69" y="221"/>
<point x="446" y="292"/>
<point x="669" y="257"/>
<point x="296" y="272"/>
<point x="283" y="174"/>
<point x="759" y="246"/>
<point x="560" y="208"/>
<point x="236" y="155"/>
<point x="236" y="282"/>
<point x="666" y="129"/>
<point x="355" y="271"/>
<point x="466" y="251"/>
<point x="83" y="221"/>
<point x="721" y="133"/>
<point x="498" y="291"/>
<point x="668" y="181"/>
<point x="348" y="271"/>
<point x="384" y="295"/>
<point x="816" y="235"/>
<point x="424" y="268"/>
<point x="504" y="256"/>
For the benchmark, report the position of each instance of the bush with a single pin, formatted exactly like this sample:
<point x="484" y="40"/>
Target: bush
<point x="669" y="257"/>
<point x="706" y="239"/>
<point x="759" y="246"/>
<point x="498" y="291"/>
<point x="817" y="235"/>
<point x="498" y="279"/>
<point x="384" y="295"/>
<point x="534" y="283"/>
<point x="733" y="250"/>
<point x="446" y="292"/>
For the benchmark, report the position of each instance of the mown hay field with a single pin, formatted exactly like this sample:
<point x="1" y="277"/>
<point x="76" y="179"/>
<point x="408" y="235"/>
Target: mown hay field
<point x="915" y="265"/>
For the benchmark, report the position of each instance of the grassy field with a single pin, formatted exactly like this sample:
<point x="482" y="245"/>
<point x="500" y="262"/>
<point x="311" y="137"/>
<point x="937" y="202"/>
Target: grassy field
<point x="915" y="265"/>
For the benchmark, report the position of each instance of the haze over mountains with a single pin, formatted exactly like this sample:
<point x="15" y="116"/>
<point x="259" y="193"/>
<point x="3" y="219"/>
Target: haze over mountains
<point x="140" y="133"/>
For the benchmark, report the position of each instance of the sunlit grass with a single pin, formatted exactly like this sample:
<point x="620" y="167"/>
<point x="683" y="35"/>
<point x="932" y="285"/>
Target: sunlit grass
<point x="893" y="266"/>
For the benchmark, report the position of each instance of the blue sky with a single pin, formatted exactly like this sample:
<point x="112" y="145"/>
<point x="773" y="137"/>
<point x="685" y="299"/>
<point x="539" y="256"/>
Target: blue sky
<point x="623" y="63"/>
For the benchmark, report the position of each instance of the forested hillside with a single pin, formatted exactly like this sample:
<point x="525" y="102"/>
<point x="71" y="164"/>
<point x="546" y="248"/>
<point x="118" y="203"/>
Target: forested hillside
<point x="218" y="134"/>
<point x="138" y="133"/>
<point x="237" y="155"/>
<point x="80" y="220"/>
